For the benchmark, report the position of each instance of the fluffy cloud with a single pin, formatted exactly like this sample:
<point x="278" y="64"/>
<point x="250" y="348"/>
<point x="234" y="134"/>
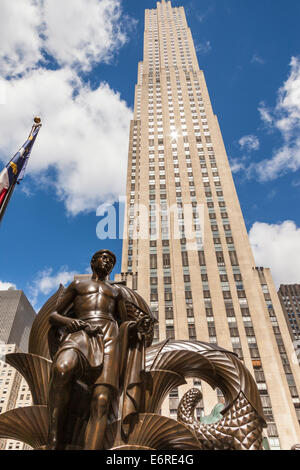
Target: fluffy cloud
<point x="20" y="26"/>
<point x="265" y="114"/>
<point x="83" y="32"/>
<point x="84" y="137"/>
<point x="286" y="118"/>
<point x="285" y="159"/>
<point x="84" y="141"/>
<point x="75" y="33"/>
<point x="249" y="142"/>
<point x="277" y="246"/>
<point x="7" y="285"/>
<point x="47" y="281"/>
<point x="288" y="105"/>
<point x="237" y="164"/>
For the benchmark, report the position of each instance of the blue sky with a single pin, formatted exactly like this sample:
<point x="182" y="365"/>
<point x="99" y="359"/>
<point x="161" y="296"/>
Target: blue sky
<point x="75" y="64"/>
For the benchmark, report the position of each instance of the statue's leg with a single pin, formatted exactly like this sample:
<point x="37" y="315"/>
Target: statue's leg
<point x="96" y="427"/>
<point x="64" y="371"/>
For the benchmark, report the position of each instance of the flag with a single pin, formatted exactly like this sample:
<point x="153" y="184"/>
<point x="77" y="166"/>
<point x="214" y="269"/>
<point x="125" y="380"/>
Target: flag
<point x="14" y="171"/>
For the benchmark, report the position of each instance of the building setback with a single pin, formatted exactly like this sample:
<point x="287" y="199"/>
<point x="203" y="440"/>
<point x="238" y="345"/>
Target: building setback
<point x="203" y="284"/>
<point x="16" y="318"/>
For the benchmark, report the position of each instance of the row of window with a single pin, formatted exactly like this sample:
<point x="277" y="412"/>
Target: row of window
<point x="280" y="345"/>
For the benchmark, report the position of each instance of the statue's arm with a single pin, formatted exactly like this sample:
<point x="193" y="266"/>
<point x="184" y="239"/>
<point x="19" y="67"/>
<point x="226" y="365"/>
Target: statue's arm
<point x="142" y="328"/>
<point x="57" y="318"/>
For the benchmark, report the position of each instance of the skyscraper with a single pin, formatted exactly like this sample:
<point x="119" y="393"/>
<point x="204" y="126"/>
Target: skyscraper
<point x="186" y="247"/>
<point x="289" y="296"/>
<point x="16" y="318"/>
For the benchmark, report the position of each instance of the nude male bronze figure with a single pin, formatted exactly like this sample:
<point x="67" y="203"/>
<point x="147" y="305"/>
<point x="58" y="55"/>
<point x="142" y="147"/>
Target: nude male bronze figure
<point x="92" y="349"/>
<point x="97" y="382"/>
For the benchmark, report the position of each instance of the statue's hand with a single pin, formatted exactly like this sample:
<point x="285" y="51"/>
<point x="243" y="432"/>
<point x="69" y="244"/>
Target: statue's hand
<point x="75" y="325"/>
<point x="144" y="327"/>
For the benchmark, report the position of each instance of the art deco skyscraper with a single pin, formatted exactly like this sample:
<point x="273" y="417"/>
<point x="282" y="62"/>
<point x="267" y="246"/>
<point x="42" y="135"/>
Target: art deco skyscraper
<point x="186" y="248"/>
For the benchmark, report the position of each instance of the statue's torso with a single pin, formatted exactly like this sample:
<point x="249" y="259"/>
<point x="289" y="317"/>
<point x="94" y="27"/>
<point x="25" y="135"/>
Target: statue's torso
<point x="95" y="299"/>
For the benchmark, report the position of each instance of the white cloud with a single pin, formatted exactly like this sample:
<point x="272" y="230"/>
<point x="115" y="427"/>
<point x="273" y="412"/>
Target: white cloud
<point x="287" y="158"/>
<point x="265" y="114"/>
<point x="20" y="23"/>
<point x="84" y="136"/>
<point x="288" y="105"/>
<point x="85" y="133"/>
<point x="47" y="282"/>
<point x="237" y="164"/>
<point x="249" y="142"/>
<point x="286" y="118"/>
<point x="203" y="48"/>
<point x="7" y="285"/>
<point x="277" y="246"/>
<point x="77" y="33"/>
<point x="83" y="32"/>
<point x="256" y="59"/>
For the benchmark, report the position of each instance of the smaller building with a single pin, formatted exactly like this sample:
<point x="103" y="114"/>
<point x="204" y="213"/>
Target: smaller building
<point x="14" y="393"/>
<point x="289" y="296"/>
<point x="16" y="318"/>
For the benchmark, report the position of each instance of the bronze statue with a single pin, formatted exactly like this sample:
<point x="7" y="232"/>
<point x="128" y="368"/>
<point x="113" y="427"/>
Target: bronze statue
<point x="98" y="383"/>
<point x="91" y="348"/>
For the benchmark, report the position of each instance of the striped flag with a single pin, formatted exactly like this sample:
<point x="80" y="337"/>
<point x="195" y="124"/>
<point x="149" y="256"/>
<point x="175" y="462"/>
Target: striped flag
<point x="14" y="171"/>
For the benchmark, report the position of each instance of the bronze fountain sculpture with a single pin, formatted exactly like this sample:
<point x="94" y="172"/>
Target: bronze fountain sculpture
<point x="98" y="383"/>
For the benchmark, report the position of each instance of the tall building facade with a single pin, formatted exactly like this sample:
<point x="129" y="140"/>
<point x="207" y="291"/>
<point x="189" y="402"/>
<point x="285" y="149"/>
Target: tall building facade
<point x="16" y="318"/>
<point x="186" y="247"/>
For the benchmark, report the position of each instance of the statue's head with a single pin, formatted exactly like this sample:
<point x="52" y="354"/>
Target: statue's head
<point x="103" y="262"/>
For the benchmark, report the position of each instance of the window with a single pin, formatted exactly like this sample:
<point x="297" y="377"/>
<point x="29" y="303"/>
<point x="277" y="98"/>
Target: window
<point x="254" y="353"/>
<point x="259" y="376"/>
<point x="169" y="313"/>
<point x="233" y="258"/>
<point x="166" y="260"/>
<point x="153" y="261"/>
<point x="274" y="443"/>
<point x="272" y="430"/>
<point x="201" y="257"/>
<point x="170" y="332"/>
<point x="190" y="312"/>
<point x="174" y="393"/>
<point x="185" y="260"/>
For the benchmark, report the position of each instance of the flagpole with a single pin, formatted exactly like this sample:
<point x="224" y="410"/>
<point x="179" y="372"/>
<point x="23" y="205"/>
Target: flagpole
<point x="6" y="200"/>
